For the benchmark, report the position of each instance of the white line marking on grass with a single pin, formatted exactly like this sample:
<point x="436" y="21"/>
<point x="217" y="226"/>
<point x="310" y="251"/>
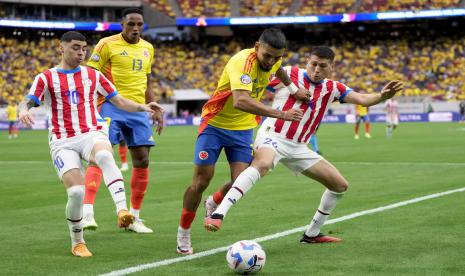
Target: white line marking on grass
<point x="202" y="254"/>
<point x="155" y="163"/>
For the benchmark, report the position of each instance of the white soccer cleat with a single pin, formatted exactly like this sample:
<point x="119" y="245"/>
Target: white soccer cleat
<point x="210" y="206"/>
<point x="139" y="227"/>
<point x="184" y="242"/>
<point x="88" y="222"/>
<point x="124" y="167"/>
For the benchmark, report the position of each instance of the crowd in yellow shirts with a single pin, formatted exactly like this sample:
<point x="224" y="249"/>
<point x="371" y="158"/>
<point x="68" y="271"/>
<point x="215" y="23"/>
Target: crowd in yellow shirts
<point x="427" y="66"/>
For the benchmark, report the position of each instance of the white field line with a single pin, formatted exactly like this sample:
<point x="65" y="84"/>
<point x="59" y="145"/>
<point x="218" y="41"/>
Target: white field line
<point x="202" y="254"/>
<point x="155" y="163"/>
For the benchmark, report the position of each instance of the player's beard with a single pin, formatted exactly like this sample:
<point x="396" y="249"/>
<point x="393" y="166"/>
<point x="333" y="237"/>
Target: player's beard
<point x="263" y="68"/>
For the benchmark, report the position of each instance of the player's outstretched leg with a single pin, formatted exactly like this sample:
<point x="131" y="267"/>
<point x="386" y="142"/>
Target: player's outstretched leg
<point x="114" y="181"/>
<point x="244" y="182"/>
<point x="74" y="218"/>
<point x="327" y="205"/>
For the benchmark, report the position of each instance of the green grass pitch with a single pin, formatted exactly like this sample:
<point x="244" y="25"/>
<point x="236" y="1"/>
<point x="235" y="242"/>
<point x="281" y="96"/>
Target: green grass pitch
<point x="425" y="238"/>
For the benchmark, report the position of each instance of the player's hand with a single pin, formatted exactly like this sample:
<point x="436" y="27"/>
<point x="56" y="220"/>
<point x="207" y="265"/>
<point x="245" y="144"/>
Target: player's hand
<point x="390" y="89"/>
<point x="302" y="95"/>
<point x="155" y="107"/>
<point x="26" y="119"/>
<point x="293" y="115"/>
<point x="157" y="118"/>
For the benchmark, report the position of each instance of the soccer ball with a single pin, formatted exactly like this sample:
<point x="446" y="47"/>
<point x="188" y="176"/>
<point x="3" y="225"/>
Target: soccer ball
<point x="246" y="257"/>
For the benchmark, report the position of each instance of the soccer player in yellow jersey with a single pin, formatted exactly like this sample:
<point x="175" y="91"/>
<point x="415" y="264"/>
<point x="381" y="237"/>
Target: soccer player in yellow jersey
<point x="361" y="114"/>
<point x="12" y="114"/>
<point x="228" y="119"/>
<point x="126" y="59"/>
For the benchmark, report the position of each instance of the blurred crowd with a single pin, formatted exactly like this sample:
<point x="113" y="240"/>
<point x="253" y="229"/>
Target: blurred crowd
<point x="222" y="8"/>
<point x="429" y="67"/>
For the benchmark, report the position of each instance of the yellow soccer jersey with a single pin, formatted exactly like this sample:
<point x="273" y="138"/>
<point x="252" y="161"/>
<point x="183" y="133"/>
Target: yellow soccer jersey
<point x="241" y="72"/>
<point x="361" y="110"/>
<point x="124" y="64"/>
<point x="12" y="112"/>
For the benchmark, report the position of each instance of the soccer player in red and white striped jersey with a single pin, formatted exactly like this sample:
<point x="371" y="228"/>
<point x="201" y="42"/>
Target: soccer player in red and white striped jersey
<point x="69" y="92"/>
<point x="392" y="116"/>
<point x="286" y="142"/>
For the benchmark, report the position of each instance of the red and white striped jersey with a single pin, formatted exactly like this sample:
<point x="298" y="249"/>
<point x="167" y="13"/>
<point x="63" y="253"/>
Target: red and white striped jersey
<point x="322" y="94"/>
<point x="392" y="107"/>
<point x="70" y="99"/>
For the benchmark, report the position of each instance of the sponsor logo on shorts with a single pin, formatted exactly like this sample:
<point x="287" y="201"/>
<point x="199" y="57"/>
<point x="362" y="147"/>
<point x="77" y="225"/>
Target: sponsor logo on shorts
<point x="246" y="79"/>
<point x="203" y="155"/>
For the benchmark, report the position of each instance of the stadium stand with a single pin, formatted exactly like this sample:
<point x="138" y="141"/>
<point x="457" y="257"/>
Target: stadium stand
<point x="264" y="7"/>
<point x="161" y="6"/>
<point x="397" y="5"/>
<point x="325" y="7"/>
<point x="429" y="67"/>
<point x="207" y="8"/>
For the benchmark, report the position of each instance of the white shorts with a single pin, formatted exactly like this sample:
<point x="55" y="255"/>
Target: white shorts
<point x="67" y="153"/>
<point x="297" y="157"/>
<point x="392" y="120"/>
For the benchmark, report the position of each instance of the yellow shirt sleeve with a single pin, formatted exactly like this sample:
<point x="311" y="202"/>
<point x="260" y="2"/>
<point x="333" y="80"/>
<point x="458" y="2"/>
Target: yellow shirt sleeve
<point x="238" y="78"/>
<point x="99" y="56"/>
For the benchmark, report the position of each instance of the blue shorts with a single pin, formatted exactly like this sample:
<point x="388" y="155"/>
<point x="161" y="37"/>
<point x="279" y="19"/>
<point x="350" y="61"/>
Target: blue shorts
<point x="237" y="145"/>
<point x="12" y="123"/>
<point x="135" y="127"/>
<point x="364" y="118"/>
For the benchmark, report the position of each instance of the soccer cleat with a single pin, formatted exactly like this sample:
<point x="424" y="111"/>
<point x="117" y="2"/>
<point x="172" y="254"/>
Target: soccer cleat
<point x="210" y="206"/>
<point x="124" y="218"/>
<point x="213" y="223"/>
<point x="320" y="238"/>
<point x="88" y="222"/>
<point x="367" y="135"/>
<point x="184" y="242"/>
<point x="139" y="227"/>
<point x="80" y="250"/>
<point x="124" y="167"/>
<point x="356" y="137"/>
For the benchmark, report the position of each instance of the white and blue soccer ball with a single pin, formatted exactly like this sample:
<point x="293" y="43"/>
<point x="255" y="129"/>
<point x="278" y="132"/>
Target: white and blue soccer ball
<point x="246" y="257"/>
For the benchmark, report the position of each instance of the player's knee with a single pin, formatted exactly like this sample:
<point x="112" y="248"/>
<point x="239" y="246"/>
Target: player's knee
<point x="141" y="162"/>
<point x="263" y="166"/>
<point x="76" y="193"/>
<point x="103" y="158"/>
<point x="341" y="186"/>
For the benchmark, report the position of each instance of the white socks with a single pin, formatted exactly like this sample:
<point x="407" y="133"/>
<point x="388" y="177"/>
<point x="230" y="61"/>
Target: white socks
<point x="327" y="205"/>
<point x="112" y="177"/>
<point x="74" y="213"/>
<point x="241" y="186"/>
<point x="135" y="212"/>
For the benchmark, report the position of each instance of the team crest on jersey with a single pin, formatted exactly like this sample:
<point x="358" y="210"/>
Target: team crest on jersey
<point x="88" y="83"/>
<point x="203" y="155"/>
<point x="146" y="53"/>
<point x="246" y="79"/>
<point x="95" y="57"/>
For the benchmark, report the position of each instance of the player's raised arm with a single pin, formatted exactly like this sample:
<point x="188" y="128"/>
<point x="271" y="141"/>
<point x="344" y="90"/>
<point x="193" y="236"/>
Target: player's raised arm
<point x="131" y="106"/>
<point x="243" y="101"/>
<point x="388" y="91"/>
<point x="299" y="93"/>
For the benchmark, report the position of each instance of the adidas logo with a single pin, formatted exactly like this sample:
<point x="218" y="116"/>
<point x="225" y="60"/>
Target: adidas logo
<point x="124" y="53"/>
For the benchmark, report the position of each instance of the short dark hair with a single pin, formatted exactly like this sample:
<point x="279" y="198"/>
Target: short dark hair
<point x="323" y="52"/>
<point x="131" y="10"/>
<point x="273" y="37"/>
<point x="72" y="35"/>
